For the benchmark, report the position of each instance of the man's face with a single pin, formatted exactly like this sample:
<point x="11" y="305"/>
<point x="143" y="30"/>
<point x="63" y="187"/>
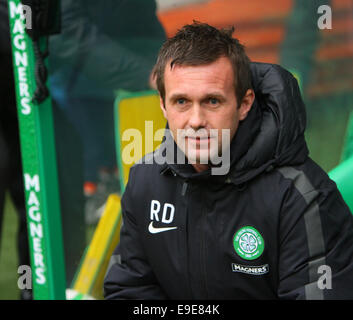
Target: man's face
<point x="199" y="99"/>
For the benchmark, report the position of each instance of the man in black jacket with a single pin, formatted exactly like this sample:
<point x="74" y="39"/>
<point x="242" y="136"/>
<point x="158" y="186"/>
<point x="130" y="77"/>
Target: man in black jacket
<point x="273" y="225"/>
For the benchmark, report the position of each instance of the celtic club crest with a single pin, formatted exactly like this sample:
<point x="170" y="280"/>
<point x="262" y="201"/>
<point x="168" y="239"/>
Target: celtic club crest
<point x="248" y="243"/>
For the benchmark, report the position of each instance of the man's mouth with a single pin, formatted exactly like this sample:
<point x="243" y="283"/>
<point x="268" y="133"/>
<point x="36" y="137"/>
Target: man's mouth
<point x="198" y="141"/>
<point x="198" y="138"/>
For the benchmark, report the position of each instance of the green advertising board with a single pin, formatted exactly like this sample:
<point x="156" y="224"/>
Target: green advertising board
<point x="39" y="166"/>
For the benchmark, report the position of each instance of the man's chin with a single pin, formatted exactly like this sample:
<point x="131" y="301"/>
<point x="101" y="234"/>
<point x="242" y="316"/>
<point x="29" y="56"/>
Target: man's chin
<point x="198" y="157"/>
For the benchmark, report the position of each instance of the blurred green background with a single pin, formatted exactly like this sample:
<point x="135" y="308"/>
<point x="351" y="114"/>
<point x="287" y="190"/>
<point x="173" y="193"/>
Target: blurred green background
<point x="8" y="254"/>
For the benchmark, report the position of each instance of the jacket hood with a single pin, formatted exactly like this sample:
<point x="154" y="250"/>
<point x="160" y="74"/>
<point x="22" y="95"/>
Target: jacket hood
<point x="280" y="140"/>
<point x="272" y="135"/>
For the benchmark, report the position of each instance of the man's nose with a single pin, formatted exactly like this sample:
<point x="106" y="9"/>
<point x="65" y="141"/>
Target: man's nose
<point x="197" y="118"/>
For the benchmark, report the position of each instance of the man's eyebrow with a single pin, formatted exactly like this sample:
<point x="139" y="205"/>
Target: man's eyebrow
<point x="214" y="95"/>
<point x="217" y="95"/>
<point x="177" y="96"/>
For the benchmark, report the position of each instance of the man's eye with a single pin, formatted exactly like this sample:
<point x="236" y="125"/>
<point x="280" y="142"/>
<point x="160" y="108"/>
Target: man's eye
<point x="213" y="101"/>
<point x="181" y="101"/>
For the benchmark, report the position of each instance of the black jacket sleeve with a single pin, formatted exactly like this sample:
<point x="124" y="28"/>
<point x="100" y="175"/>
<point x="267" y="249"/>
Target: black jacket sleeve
<point x="129" y="275"/>
<point x="316" y="245"/>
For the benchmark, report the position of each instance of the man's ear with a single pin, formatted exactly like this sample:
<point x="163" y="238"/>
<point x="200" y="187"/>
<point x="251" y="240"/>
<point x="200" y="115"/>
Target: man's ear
<point x="161" y="104"/>
<point x="246" y="104"/>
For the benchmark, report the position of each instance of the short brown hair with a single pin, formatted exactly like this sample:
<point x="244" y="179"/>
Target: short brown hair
<point x="199" y="44"/>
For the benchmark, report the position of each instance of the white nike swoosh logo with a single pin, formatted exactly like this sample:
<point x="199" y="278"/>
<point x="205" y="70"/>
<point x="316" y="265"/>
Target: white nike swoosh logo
<point x="152" y="229"/>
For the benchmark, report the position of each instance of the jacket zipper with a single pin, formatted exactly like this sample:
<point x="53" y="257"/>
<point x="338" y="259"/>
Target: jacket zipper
<point x="203" y="251"/>
<point x="184" y="188"/>
<point x="183" y="194"/>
